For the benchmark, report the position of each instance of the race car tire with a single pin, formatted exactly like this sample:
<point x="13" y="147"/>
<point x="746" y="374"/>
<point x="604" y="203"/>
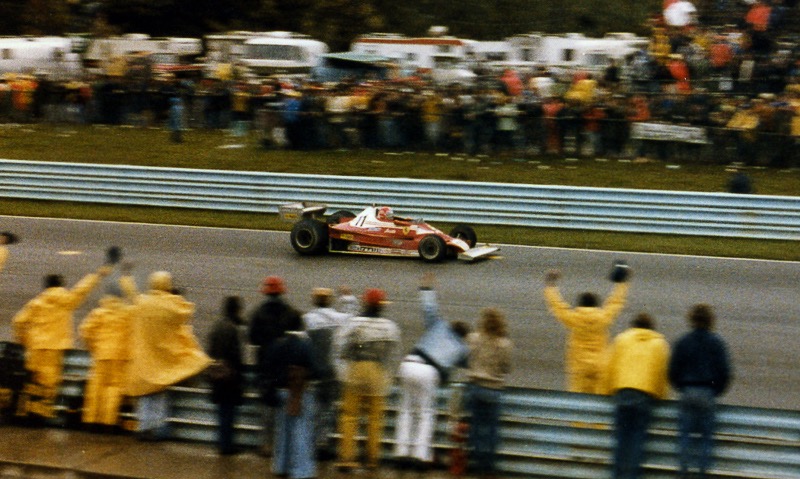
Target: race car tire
<point x="340" y="215"/>
<point x="466" y="234"/>
<point x="309" y="236"/>
<point x="432" y="249"/>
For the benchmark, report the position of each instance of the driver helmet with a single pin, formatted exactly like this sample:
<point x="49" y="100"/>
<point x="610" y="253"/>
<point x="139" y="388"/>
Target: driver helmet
<point x="385" y="214"/>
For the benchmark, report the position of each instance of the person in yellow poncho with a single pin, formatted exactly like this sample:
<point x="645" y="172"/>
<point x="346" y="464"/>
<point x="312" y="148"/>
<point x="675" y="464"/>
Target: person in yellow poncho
<point x="164" y="350"/>
<point x="44" y="327"/>
<point x="106" y="333"/>
<point x="6" y="238"/>
<point x="588" y="326"/>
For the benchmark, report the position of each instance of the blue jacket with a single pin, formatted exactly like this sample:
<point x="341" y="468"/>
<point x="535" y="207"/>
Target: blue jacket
<point x="439" y="345"/>
<point x="700" y="358"/>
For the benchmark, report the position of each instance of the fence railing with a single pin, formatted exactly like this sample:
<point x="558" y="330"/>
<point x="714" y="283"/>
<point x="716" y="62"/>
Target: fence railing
<point x="544" y="433"/>
<point x="623" y="210"/>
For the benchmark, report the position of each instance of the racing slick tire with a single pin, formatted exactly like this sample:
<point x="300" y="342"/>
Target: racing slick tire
<point x="309" y="236"/>
<point x="466" y="234"/>
<point x="340" y="215"/>
<point x="432" y="249"/>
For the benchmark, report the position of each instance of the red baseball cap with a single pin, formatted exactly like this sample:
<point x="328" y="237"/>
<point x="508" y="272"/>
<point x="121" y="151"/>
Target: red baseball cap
<point x="374" y="297"/>
<point x="273" y="285"/>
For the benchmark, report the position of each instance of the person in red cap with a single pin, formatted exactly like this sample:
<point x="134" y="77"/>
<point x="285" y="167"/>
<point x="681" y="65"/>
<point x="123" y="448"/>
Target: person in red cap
<point x="268" y="323"/>
<point x="366" y="349"/>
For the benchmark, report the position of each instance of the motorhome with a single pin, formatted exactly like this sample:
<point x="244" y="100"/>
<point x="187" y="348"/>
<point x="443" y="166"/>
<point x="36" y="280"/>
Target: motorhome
<point x="567" y="53"/>
<point x="443" y="57"/>
<point x="104" y="55"/>
<point x="281" y="52"/>
<point x="44" y="56"/>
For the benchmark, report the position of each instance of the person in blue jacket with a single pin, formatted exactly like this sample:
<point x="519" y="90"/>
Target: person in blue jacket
<point x="700" y="371"/>
<point x="441" y="348"/>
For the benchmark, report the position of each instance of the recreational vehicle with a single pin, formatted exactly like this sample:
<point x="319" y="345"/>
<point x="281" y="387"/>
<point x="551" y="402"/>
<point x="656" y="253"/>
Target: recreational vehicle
<point x="52" y="57"/>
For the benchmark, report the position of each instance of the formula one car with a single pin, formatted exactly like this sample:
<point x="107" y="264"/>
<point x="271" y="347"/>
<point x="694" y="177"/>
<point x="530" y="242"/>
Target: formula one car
<point x="376" y="231"/>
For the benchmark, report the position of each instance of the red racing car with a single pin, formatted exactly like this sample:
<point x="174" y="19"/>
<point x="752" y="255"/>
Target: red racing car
<point x="377" y="231"/>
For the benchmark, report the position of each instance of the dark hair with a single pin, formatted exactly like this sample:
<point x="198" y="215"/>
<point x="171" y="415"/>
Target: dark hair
<point x="644" y="321"/>
<point x="232" y="307"/>
<point x="461" y="328"/>
<point x="53" y="281"/>
<point x="588" y="300"/>
<point x="701" y="316"/>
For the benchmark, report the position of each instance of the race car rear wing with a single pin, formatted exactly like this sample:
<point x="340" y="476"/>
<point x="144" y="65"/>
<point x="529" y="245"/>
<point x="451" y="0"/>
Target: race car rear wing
<point x="304" y="209"/>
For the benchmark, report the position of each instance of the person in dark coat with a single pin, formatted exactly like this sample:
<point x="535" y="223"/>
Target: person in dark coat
<point x="267" y="324"/>
<point x="225" y="374"/>
<point x="700" y="370"/>
<point x="294" y="366"/>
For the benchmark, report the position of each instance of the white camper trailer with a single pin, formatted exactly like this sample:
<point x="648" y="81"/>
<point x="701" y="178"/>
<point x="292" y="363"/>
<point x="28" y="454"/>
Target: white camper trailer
<point x="445" y="58"/>
<point x="281" y="52"/>
<point x="103" y="54"/>
<point x="573" y="51"/>
<point x="52" y="57"/>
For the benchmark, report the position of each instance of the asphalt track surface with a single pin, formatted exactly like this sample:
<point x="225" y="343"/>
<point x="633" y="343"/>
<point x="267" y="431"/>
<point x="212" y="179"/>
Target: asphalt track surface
<point x="755" y="301"/>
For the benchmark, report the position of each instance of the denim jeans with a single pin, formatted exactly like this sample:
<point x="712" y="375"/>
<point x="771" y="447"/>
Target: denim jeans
<point x="152" y="411"/>
<point x="295" y="454"/>
<point x="633" y="409"/>
<point x="483" y="405"/>
<point x="696" y="428"/>
<point x="226" y="419"/>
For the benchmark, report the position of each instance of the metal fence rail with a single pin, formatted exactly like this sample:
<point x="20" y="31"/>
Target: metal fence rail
<point x="643" y="211"/>
<point x="545" y="434"/>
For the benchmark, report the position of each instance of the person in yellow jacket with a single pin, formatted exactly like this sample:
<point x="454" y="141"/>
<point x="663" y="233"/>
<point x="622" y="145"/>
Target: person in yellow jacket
<point x="588" y="324"/>
<point x="6" y="238"/>
<point x="164" y="350"/>
<point x="637" y="377"/>
<point x="106" y="333"/>
<point x="44" y="327"/>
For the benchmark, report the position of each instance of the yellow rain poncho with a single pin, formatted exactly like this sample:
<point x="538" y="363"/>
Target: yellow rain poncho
<point x="588" y="336"/>
<point x="164" y="350"/>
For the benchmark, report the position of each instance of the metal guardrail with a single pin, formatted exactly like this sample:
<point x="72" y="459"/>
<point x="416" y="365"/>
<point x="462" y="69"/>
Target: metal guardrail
<point x="544" y="433"/>
<point x="640" y="211"/>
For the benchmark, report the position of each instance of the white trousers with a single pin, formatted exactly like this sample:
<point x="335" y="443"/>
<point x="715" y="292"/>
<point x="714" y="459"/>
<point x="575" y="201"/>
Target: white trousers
<point x="416" y="419"/>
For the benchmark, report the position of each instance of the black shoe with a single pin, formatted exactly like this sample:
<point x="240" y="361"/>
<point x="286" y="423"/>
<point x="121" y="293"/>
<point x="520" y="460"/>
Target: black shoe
<point x="324" y="455"/>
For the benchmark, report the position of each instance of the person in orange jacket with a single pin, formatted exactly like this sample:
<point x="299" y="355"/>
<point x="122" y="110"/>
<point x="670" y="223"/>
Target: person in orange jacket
<point x="106" y="333"/>
<point x="44" y="327"/>
<point x="588" y="324"/>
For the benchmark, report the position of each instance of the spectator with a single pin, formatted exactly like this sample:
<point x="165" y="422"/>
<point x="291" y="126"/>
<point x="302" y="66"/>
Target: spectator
<point x="489" y="364"/>
<point x="267" y="324"/>
<point x="322" y="324"/>
<point x="6" y="238"/>
<point x="44" y="327"/>
<point x="637" y="377"/>
<point x="740" y="183"/>
<point x="588" y="324"/>
<point x="176" y="112"/>
<point x="440" y="349"/>
<point x="367" y="344"/>
<point x="164" y="350"/>
<point x="106" y="331"/>
<point x="292" y="359"/>
<point x="226" y="374"/>
<point x="700" y="371"/>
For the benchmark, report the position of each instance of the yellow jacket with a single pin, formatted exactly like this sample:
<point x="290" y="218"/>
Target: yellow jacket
<point x="107" y="329"/>
<point x="164" y="350"/>
<point x="588" y="326"/>
<point x="639" y="359"/>
<point x="45" y="322"/>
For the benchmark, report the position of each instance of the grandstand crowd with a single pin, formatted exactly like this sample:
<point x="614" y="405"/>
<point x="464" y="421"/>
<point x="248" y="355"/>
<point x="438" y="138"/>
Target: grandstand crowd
<point x="732" y="90"/>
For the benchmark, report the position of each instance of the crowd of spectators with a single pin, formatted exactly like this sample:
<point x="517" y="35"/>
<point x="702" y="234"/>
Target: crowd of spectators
<point x="735" y="88"/>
